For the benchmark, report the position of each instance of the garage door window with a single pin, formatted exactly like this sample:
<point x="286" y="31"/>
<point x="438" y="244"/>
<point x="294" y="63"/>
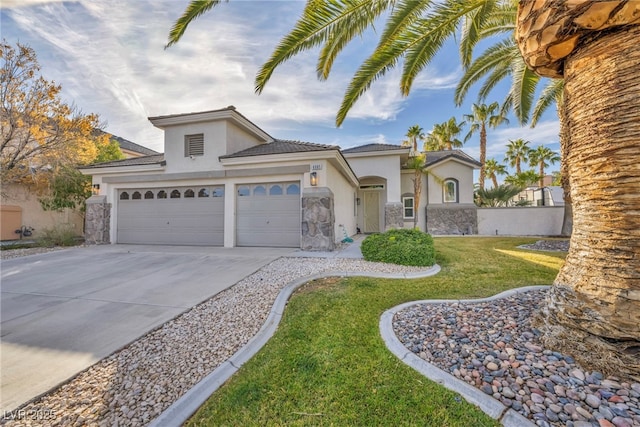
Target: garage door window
<point x="189" y="194"/>
<point x="293" y="189"/>
<point x="243" y="191"/>
<point x="203" y="192"/>
<point x="136" y="195"/>
<point x="124" y="196"/>
<point x="148" y="195"/>
<point x="218" y="192"/>
<point x="175" y="194"/>
<point x="259" y="190"/>
<point x="162" y="194"/>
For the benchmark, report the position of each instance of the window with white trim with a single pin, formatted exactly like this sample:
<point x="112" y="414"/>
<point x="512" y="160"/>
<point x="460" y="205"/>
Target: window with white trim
<point x="408" y="207"/>
<point x="194" y="145"/>
<point x="450" y="189"/>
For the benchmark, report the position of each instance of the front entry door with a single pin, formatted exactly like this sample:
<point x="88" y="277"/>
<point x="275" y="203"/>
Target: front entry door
<point x="371" y="212"/>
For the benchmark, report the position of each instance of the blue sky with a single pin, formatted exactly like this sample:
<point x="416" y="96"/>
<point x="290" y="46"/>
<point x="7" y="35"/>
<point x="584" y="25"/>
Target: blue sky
<point x="109" y="57"/>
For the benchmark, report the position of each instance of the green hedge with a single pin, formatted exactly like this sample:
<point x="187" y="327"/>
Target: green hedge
<point x="400" y="246"/>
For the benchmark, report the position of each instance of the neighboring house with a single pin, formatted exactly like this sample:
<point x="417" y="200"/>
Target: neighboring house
<point x="19" y="206"/>
<point x="551" y="195"/>
<point x="223" y="181"/>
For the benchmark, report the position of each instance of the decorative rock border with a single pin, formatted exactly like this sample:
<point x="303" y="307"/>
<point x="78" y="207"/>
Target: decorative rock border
<point x="495" y="409"/>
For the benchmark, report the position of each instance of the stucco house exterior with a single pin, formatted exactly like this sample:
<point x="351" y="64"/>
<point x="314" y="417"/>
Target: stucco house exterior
<point x="223" y="181"/>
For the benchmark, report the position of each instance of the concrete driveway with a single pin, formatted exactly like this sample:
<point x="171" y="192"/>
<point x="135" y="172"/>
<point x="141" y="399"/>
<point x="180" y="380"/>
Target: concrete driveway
<point x="63" y="311"/>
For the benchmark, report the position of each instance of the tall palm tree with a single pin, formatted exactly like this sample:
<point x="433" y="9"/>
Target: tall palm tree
<point x="414" y="133"/>
<point x="493" y="169"/>
<point x="523" y="179"/>
<point x="594" y="306"/>
<point x="539" y="157"/>
<point x="483" y="115"/>
<point x="517" y="152"/>
<point x="417" y="162"/>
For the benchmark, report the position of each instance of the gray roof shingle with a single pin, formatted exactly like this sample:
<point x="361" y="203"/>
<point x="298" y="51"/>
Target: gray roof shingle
<point x="128" y="145"/>
<point x="434" y="157"/>
<point x="280" y="146"/>
<point x="134" y="161"/>
<point x="374" y="147"/>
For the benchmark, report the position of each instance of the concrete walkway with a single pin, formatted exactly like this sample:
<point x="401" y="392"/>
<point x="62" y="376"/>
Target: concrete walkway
<point x="63" y="311"/>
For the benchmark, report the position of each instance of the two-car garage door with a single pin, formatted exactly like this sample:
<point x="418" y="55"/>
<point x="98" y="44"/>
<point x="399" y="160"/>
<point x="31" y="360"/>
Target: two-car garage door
<point x="267" y="214"/>
<point x="172" y="216"/>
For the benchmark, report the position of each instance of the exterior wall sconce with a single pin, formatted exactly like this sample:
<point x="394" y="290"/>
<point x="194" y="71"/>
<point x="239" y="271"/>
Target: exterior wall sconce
<point x="95" y="189"/>
<point x="314" y="178"/>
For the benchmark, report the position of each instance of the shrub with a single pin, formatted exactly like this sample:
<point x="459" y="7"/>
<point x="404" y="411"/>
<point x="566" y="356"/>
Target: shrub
<point x="58" y="236"/>
<point x="400" y="246"/>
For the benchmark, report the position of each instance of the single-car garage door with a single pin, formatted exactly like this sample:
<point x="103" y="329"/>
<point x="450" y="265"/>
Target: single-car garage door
<point x="171" y="216"/>
<point x="268" y="215"/>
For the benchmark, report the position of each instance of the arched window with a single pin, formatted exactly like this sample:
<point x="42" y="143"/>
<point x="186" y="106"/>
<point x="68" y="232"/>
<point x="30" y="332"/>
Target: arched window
<point x="293" y="189"/>
<point x="243" y="191"/>
<point x="203" y="192"/>
<point x="148" y="195"/>
<point x="275" y="190"/>
<point x="124" y="196"/>
<point x="189" y="194"/>
<point x="218" y="192"/>
<point x="175" y="194"/>
<point x="259" y="190"/>
<point x="450" y="189"/>
<point x="162" y="194"/>
<point x="136" y="195"/>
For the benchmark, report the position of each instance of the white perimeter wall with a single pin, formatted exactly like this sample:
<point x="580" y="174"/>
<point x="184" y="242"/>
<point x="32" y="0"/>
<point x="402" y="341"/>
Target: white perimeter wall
<point x="523" y="221"/>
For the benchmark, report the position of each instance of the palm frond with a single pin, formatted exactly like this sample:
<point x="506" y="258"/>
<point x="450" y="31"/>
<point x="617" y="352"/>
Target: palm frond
<point x="193" y="11"/>
<point x="552" y="93"/>
<point x="472" y="26"/>
<point x="523" y="87"/>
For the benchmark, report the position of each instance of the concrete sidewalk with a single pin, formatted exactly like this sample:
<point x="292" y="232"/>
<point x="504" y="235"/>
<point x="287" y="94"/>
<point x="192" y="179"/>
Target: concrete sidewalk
<point x="63" y="311"/>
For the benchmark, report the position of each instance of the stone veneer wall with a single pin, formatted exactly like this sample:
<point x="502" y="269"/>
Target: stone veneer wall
<point x="97" y="220"/>
<point x="318" y="220"/>
<point x="393" y="217"/>
<point x="457" y="220"/>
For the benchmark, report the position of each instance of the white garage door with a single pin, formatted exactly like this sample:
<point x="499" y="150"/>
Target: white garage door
<point x="268" y="215"/>
<point x="172" y="216"/>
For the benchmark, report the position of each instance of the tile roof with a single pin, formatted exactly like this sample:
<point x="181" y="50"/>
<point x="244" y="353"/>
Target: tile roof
<point x="281" y="146"/>
<point x="374" y="147"/>
<point x="125" y="144"/>
<point x="134" y="161"/>
<point x="434" y="157"/>
<point x="128" y="145"/>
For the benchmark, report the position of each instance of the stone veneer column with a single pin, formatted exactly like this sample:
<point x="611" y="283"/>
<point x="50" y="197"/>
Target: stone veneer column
<point x="97" y="220"/>
<point x="393" y="217"/>
<point x="318" y="219"/>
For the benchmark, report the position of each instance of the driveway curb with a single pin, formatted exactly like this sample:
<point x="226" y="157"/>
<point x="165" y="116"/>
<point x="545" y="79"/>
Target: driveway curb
<point x="490" y="406"/>
<point x="183" y="408"/>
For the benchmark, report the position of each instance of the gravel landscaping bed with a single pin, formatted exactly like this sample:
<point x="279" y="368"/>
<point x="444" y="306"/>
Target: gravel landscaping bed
<point x="493" y="347"/>
<point x="17" y="253"/>
<point x="134" y="385"/>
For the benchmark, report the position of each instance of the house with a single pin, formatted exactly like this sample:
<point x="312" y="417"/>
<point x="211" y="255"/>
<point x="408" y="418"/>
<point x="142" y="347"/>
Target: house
<point x="20" y="206"/>
<point x="223" y="181"/>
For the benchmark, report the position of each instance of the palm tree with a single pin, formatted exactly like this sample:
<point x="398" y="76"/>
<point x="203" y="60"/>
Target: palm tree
<point x="517" y="152"/>
<point x="443" y="136"/>
<point x="414" y="134"/>
<point x="539" y="157"/>
<point x="498" y="196"/>
<point x="523" y="179"/>
<point x="493" y="169"/>
<point x="417" y="162"/>
<point x="594" y="306"/>
<point x="483" y="115"/>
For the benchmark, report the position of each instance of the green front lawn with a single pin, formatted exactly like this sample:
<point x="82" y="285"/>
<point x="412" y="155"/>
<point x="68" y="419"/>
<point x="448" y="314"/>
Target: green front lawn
<point x="327" y="364"/>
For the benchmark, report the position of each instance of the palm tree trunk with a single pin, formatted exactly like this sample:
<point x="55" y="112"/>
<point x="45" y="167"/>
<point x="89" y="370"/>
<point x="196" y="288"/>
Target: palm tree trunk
<point x="541" y="172"/>
<point x="594" y="305"/>
<point x="483" y="154"/>
<point x="565" y="144"/>
<point x="494" y="178"/>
